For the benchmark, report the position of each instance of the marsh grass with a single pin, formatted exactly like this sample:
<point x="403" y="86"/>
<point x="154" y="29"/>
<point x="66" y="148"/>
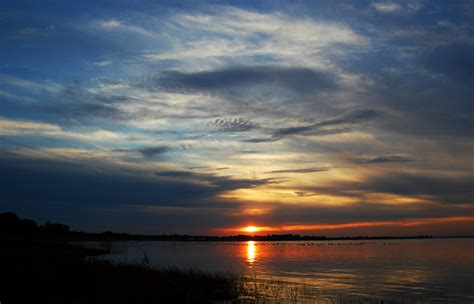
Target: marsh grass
<point x="252" y="289"/>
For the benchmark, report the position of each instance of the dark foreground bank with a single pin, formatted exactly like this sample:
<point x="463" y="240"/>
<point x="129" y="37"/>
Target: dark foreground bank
<point x="55" y="272"/>
<point x="39" y="265"/>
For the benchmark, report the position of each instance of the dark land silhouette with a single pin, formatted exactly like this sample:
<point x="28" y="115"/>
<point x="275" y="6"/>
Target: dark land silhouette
<point x="38" y="265"/>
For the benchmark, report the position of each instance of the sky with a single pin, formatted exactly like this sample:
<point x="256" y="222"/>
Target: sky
<point x="312" y="117"/>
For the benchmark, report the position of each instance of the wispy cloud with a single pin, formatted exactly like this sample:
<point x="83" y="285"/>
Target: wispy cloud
<point x="232" y="125"/>
<point x="384" y="159"/>
<point x="121" y="26"/>
<point x="231" y="32"/>
<point x="301" y="170"/>
<point x="337" y="125"/>
<point x="10" y="127"/>
<point x="389" y="7"/>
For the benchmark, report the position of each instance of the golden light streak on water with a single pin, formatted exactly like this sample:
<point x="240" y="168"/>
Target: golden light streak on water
<point x="251" y="252"/>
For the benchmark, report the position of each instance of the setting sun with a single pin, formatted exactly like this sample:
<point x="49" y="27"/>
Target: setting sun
<point x="250" y="229"/>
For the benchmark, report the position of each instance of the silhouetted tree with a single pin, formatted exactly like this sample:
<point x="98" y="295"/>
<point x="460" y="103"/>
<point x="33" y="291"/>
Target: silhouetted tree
<point x="11" y="224"/>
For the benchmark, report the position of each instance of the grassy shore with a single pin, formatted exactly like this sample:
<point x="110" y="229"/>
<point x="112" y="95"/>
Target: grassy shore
<point x="56" y="272"/>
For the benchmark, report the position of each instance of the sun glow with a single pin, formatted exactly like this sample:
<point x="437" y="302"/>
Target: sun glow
<point x="250" y="229"/>
<point x="245" y="229"/>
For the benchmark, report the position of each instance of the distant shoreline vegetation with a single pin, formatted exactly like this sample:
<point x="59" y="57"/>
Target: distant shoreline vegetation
<point x="11" y="227"/>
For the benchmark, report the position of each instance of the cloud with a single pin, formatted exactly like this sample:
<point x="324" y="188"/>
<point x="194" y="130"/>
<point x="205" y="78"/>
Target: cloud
<point x="248" y="152"/>
<point x="351" y="117"/>
<point x="10" y="127"/>
<point x="240" y="22"/>
<point x="305" y="130"/>
<point x="232" y="125"/>
<point x="384" y="159"/>
<point x="348" y="118"/>
<point x="71" y="102"/>
<point x="146" y="152"/>
<point x="432" y="101"/>
<point x="111" y="24"/>
<point x="320" y="128"/>
<point x="31" y="86"/>
<point x="430" y="187"/>
<point x="103" y="63"/>
<point x="22" y="127"/>
<point x="153" y="151"/>
<point x="302" y="170"/>
<point x="304" y="193"/>
<point x="297" y="79"/>
<point x="224" y="33"/>
<point x="98" y="183"/>
<point x="76" y="102"/>
<point x="177" y="174"/>
<point x="121" y="26"/>
<point x="310" y="130"/>
<point x="9" y="97"/>
<point x="442" y="188"/>
<point x="388" y="7"/>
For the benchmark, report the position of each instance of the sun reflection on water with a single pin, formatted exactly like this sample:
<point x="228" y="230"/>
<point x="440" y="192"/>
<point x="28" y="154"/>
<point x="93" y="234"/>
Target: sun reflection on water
<point x="251" y="252"/>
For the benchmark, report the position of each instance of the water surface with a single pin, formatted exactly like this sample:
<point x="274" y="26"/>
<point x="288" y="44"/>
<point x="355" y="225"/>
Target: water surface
<point x="428" y="269"/>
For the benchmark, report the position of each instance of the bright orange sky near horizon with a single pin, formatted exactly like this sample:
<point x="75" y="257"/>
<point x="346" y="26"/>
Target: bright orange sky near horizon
<point x="437" y="226"/>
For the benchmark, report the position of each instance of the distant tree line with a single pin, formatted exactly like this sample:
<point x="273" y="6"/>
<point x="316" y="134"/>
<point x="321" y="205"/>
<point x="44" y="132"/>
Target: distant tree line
<point x="11" y="226"/>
